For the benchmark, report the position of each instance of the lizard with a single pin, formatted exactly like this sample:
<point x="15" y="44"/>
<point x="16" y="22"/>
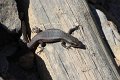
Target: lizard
<point x="56" y="35"/>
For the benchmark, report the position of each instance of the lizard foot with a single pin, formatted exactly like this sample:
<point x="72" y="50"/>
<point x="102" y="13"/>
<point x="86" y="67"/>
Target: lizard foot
<point x="64" y="45"/>
<point x="36" y="30"/>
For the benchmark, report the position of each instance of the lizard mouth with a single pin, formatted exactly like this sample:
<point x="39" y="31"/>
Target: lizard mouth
<point x="81" y="46"/>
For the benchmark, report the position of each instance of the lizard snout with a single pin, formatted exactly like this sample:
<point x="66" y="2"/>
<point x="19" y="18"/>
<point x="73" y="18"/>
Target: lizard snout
<point x="81" y="45"/>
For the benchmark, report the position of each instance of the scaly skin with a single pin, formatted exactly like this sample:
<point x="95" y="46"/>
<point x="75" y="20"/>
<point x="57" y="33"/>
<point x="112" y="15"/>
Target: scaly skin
<point x="56" y="35"/>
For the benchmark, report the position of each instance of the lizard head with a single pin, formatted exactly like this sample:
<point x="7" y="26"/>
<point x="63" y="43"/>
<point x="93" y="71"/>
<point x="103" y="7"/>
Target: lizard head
<point x="78" y="44"/>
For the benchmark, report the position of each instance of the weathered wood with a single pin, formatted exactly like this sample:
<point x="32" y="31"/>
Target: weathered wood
<point x="111" y="34"/>
<point x="94" y="63"/>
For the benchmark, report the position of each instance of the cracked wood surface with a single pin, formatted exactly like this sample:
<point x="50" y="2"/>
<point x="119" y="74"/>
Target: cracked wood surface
<point x="111" y="34"/>
<point x="94" y="63"/>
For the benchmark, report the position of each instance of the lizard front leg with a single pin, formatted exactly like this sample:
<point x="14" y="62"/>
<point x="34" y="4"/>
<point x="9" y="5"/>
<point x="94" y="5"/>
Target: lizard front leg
<point x="69" y="32"/>
<point x="64" y="45"/>
<point x="73" y="29"/>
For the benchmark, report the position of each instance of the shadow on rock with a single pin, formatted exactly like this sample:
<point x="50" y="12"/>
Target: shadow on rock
<point x="23" y="63"/>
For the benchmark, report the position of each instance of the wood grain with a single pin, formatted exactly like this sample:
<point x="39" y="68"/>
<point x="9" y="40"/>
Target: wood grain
<point x="94" y="63"/>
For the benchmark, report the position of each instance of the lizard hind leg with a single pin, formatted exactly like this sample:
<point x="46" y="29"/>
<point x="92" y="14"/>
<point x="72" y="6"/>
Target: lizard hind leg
<point x="36" y="30"/>
<point x="42" y="46"/>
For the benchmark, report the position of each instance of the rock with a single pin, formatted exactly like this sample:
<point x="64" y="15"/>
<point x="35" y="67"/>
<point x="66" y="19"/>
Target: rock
<point x="9" y="14"/>
<point x="1" y="78"/>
